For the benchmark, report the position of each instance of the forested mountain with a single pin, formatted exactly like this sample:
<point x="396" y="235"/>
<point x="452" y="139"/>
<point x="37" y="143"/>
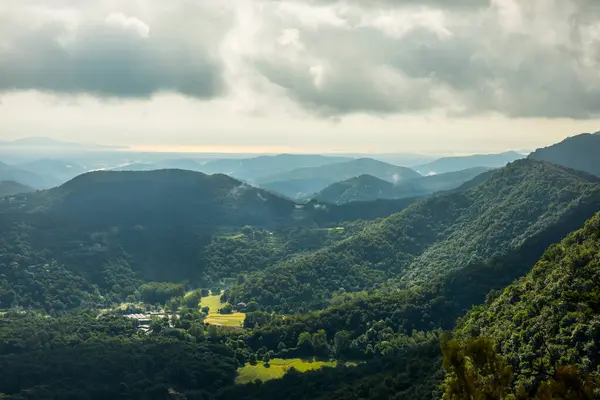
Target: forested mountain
<point x="359" y="188"/>
<point x="549" y="318"/>
<point x="450" y="164"/>
<point x="10" y="173"/>
<point x="368" y="188"/>
<point x="431" y="237"/>
<point x="579" y="152"/>
<point x="337" y="172"/>
<point x="61" y="171"/>
<point x="252" y="169"/>
<point x="9" y="188"/>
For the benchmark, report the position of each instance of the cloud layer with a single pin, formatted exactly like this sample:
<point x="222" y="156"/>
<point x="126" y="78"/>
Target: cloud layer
<point x="518" y="58"/>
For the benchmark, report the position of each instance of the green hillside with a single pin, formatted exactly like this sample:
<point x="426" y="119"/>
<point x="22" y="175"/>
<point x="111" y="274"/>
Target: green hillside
<point x="431" y="237"/>
<point x="579" y="152"/>
<point x="550" y="316"/>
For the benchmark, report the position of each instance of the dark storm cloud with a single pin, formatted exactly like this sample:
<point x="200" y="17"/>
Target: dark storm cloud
<point x="520" y="59"/>
<point x="114" y="56"/>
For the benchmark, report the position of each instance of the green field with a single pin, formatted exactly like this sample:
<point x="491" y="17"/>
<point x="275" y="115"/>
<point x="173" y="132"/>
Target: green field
<point x="214" y="303"/>
<point x="277" y="368"/>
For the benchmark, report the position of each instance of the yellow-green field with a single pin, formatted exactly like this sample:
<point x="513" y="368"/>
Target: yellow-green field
<point x="235" y="319"/>
<point x="277" y="368"/>
<point x="214" y="303"/>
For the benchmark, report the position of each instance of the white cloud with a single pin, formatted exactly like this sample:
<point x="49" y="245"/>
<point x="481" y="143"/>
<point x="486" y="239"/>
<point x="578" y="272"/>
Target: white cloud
<point x="129" y="23"/>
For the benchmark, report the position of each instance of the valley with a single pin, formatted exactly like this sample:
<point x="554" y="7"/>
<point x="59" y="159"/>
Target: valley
<point x="176" y="282"/>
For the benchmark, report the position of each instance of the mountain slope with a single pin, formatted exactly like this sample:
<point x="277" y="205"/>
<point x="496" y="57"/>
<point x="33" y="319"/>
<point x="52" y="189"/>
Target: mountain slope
<point x="62" y="171"/>
<point x="158" y="221"/>
<point x="360" y="188"/>
<point x="10" y="173"/>
<point x="554" y="309"/>
<point x="251" y="169"/>
<point x="580" y="152"/>
<point x="9" y="188"/>
<point x="342" y="171"/>
<point x="431" y="237"/>
<point x="368" y="188"/>
<point x="450" y="164"/>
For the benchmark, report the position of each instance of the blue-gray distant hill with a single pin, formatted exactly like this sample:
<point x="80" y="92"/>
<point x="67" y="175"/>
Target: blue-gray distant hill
<point x="252" y="169"/>
<point x="314" y="179"/>
<point x="61" y="171"/>
<point x="369" y="188"/>
<point x="28" y="178"/>
<point x="451" y="164"/>
<point x="580" y="152"/>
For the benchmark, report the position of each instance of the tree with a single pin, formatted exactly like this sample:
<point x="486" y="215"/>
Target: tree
<point x="226" y="309"/>
<point x="252" y="306"/>
<point x="213" y="332"/>
<point x="474" y="370"/>
<point x="192" y="299"/>
<point x="215" y="291"/>
<point x="319" y="342"/>
<point x="204" y="292"/>
<point x="341" y="341"/>
<point x="305" y="342"/>
<point x="267" y="357"/>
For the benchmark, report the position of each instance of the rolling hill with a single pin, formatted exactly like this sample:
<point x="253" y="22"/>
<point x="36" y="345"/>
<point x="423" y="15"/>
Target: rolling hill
<point x="450" y="164"/>
<point x="315" y="177"/>
<point x="580" y="152"/>
<point x="432" y="237"/>
<point x="368" y="188"/>
<point x="9" y="188"/>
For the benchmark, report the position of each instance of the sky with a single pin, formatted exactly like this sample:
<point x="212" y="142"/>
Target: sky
<point x="323" y="76"/>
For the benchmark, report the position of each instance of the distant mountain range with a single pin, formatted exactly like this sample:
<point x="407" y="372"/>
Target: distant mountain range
<point x="255" y="169"/>
<point x="369" y="188"/>
<point x="28" y="178"/>
<point x="580" y="152"/>
<point x="451" y="164"/>
<point x="315" y="179"/>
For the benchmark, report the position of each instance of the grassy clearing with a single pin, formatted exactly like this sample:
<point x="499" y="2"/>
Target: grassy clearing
<point x="277" y="368"/>
<point x="235" y="319"/>
<point x="214" y="303"/>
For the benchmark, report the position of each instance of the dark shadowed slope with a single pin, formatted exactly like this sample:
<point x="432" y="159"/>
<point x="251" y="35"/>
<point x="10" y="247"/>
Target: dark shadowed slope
<point x="9" y="188"/>
<point x="579" y="152"/>
<point x="450" y="164"/>
<point x="431" y="237"/>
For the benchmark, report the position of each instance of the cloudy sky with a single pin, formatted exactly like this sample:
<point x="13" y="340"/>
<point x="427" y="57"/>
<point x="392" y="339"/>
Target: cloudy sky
<point x="436" y="76"/>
